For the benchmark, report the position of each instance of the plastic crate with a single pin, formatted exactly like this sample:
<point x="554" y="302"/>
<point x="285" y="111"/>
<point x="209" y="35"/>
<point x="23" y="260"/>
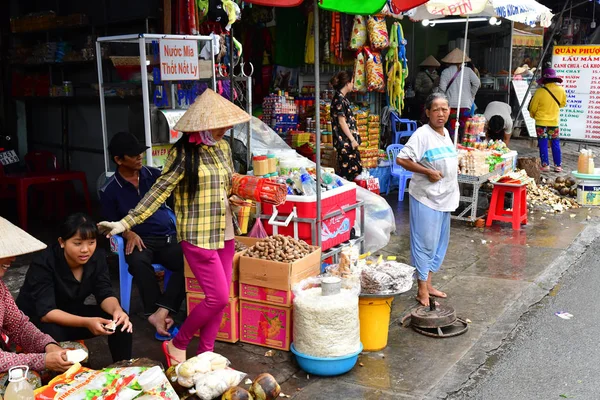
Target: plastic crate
<point x="334" y="231"/>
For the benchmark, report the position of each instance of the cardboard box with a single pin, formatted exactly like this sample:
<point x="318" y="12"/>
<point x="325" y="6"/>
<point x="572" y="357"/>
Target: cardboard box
<point x="279" y="275"/>
<point x="259" y="294"/>
<point x="193" y="286"/>
<point x="229" y="331"/>
<point x="248" y="241"/>
<point x="266" y="325"/>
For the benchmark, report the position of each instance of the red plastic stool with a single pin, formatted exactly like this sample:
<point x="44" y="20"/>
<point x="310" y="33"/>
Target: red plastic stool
<point x="497" y="212"/>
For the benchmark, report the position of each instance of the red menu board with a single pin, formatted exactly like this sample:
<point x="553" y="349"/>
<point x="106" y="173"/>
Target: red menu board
<point x="579" y="66"/>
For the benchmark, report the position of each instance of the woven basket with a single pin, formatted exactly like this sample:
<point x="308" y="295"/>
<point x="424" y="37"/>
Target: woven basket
<point x="125" y="61"/>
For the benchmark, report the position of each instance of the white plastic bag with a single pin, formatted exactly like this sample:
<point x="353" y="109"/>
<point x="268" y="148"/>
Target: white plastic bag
<point x="214" y="384"/>
<point x="379" y="220"/>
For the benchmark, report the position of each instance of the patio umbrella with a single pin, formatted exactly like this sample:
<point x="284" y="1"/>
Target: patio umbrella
<point x="525" y="11"/>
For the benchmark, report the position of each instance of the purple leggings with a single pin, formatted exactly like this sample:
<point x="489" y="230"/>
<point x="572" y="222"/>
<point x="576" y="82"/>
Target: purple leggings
<point x="212" y="269"/>
<point x="556" y="153"/>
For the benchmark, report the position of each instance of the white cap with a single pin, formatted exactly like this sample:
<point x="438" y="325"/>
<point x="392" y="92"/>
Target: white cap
<point x="16" y="374"/>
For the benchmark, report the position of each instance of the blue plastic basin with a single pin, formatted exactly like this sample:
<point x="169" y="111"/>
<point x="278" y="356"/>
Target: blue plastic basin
<point x="326" y="366"/>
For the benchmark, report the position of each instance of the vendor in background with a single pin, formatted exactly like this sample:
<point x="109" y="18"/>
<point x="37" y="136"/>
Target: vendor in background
<point x="544" y="108"/>
<point x="40" y="351"/>
<point x="431" y="156"/>
<point x="345" y="134"/>
<point x="198" y="171"/>
<point x="427" y="78"/>
<point x="59" y="281"/>
<point x="499" y="121"/>
<point x="450" y="85"/>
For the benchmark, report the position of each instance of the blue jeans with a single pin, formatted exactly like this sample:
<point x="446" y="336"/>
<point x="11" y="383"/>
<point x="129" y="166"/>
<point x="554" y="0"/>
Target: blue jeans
<point x="429" y="237"/>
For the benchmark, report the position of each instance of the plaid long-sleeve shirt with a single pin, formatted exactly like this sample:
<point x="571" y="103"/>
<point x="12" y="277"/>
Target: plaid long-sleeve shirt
<point x="201" y="220"/>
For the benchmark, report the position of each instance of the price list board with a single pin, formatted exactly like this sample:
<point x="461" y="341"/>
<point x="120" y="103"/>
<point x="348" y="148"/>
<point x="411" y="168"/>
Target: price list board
<point x="579" y="66"/>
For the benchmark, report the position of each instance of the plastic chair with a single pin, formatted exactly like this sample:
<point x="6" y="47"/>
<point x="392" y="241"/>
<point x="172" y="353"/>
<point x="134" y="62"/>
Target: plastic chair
<point x="396" y="170"/>
<point x="402" y="128"/>
<point x="45" y="161"/>
<point x="117" y="245"/>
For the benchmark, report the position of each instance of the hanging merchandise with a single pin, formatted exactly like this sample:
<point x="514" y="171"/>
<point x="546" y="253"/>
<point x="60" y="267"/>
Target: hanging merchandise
<point x="309" y="53"/>
<point x="378" y="34"/>
<point x="375" y="80"/>
<point x="397" y="68"/>
<point x="325" y="26"/>
<point x="233" y="13"/>
<point x="202" y="6"/>
<point x="359" y="33"/>
<point x="359" y="73"/>
<point x="336" y="41"/>
<point x="217" y="13"/>
<point x="356" y="7"/>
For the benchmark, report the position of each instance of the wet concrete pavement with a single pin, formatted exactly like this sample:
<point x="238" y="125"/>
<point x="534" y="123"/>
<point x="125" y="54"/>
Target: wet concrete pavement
<point x="492" y="276"/>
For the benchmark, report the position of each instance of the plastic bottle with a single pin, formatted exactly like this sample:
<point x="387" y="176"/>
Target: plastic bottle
<point x="583" y="162"/>
<point x="18" y="388"/>
<point x="308" y="185"/>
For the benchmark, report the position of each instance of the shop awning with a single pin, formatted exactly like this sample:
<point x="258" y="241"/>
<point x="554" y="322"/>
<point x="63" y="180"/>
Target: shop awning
<point x="526" y="39"/>
<point x="525" y="11"/>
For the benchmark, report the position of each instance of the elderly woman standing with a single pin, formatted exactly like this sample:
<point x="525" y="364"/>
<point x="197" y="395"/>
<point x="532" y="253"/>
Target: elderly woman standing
<point x="199" y="172"/>
<point x="40" y="351"/>
<point x="431" y="156"/>
<point x="450" y="85"/>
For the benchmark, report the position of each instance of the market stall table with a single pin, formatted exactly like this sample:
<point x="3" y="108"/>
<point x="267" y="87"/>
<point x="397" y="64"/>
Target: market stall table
<point x="477" y="182"/>
<point x="22" y="182"/>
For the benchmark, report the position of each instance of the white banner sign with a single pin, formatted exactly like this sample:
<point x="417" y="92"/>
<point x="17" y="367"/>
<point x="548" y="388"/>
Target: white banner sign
<point x="179" y="60"/>
<point x="579" y="66"/>
<point x="456" y="7"/>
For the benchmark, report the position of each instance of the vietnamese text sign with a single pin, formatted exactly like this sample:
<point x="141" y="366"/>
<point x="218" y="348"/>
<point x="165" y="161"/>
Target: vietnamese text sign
<point x="179" y="60"/>
<point x="579" y="66"/>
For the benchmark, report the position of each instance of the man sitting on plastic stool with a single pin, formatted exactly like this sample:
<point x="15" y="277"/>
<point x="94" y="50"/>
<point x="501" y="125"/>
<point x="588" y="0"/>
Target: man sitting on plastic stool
<point x="154" y="241"/>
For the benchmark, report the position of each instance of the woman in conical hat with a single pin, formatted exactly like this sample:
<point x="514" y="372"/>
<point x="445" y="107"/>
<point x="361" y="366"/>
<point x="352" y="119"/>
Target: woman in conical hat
<point x="427" y="78"/>
<point x="40" y="351"/>
<point x="198" y="171"/>
<point x="450" y="85"/>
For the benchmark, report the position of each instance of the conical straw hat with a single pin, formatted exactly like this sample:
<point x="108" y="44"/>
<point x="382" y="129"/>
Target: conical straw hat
<point x="430" y="62"/>
<point x="455" y="57"/>
<point x="211" y="111"/>
<point x="14" y="241"/>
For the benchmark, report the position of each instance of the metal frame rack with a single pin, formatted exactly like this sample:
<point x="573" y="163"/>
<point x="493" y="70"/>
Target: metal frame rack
<point x="278" y="220"/>
<point x="477" y="182"/>
<point x="142" y="40"/>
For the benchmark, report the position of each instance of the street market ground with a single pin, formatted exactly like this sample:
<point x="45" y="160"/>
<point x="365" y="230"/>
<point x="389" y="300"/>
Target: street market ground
<point x="546" y="357"/>
<point x="492" y="276"/>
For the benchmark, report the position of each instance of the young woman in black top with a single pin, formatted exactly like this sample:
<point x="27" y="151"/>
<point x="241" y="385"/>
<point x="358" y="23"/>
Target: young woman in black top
<point x="62" y="277"/>
<point x="345" y="133"/>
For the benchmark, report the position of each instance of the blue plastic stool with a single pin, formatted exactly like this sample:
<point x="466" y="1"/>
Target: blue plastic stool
<point x="117" y="245"/>
<point x="397" y="130"/>
<point x="396" y="170"/>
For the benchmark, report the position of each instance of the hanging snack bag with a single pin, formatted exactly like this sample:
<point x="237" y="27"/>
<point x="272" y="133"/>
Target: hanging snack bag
<point x="359" y="33"/>
<point x="378" y="34"/>
<point x="375" y="80"/>
<point x="360" y="76"/>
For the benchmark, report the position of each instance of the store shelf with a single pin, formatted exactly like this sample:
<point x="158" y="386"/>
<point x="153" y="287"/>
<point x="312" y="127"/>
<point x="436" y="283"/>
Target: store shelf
<point x="75" y="99"/>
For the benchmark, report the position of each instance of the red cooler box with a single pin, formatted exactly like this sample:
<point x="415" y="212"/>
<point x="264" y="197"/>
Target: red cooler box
<point x="334" y="230"/>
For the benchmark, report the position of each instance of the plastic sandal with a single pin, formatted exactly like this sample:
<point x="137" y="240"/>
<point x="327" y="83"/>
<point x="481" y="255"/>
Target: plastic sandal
<point x="174" y="330"/>
<point x="168" y="355"/>
<point x="545" y="168"/>
<point x="558" y="169"/>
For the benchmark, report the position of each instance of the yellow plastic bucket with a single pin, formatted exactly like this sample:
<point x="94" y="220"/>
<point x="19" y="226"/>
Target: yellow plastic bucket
<point x="374" y="315"/>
